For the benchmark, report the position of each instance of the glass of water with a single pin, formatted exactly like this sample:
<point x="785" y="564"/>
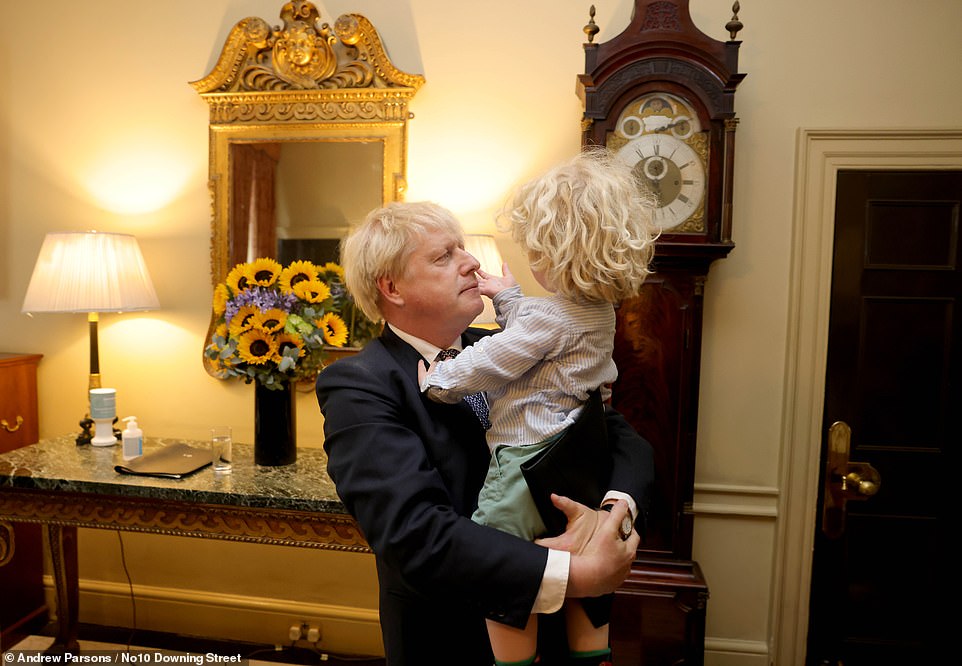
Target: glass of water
<point x="220" y="448"/>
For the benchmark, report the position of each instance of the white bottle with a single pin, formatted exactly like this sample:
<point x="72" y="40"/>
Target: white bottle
<point x="133" y="439"/>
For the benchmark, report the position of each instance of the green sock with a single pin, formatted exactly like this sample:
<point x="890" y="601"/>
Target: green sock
<point x="590" y="653"/>
<point x="523" y="662"/>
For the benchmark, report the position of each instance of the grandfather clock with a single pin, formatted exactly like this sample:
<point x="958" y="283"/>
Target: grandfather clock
<point x="660" y="96"/>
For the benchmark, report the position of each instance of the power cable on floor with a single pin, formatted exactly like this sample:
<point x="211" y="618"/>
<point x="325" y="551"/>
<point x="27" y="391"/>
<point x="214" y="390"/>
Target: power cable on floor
<point x="130" y="585"/>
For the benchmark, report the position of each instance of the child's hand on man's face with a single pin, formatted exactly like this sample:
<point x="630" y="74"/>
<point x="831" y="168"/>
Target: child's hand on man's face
<point x="491" y="285"/>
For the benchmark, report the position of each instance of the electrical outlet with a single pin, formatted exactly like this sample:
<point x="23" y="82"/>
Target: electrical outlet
<point x="304" y="631"/>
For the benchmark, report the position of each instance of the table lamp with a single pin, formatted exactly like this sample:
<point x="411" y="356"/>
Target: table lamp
<point x="90" y="272"/>
<point x="483" y="248"/>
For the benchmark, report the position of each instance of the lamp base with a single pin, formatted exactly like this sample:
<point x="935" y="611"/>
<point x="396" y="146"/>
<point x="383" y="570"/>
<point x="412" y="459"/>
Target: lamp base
<point x="104" y="435"/>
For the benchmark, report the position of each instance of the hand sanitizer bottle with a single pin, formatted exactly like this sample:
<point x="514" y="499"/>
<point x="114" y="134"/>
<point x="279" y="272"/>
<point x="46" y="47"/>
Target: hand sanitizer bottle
<point x="133" y="439"/>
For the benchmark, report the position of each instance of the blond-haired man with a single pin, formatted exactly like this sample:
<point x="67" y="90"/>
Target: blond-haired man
<point x="409" y="470"/>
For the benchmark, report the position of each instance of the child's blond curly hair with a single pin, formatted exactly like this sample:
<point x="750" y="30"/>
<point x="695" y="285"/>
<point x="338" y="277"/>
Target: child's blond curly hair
<point x="586" y="226"/>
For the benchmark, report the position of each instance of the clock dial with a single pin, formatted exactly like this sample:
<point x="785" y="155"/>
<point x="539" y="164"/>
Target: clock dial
<point x="669" y="171"/>
<point x="658" y="112"/>
<point x="660" y="136"/>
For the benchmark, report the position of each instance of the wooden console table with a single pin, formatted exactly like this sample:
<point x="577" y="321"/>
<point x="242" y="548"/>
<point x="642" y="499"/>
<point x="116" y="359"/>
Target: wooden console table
<point x="63" y="486"/>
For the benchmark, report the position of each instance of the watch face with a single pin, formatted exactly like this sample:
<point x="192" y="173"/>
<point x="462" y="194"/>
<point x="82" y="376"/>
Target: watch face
<point x="669" y="173"/>
<point x="660" y="137"/>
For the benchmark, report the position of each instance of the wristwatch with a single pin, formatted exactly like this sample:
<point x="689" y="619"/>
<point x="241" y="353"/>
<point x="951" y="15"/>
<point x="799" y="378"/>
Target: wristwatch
<point x="627" y="524"/>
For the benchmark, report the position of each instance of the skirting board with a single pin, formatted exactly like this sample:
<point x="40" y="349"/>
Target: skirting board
<point x="343" y="629"/>
<point x="725" y="652"/>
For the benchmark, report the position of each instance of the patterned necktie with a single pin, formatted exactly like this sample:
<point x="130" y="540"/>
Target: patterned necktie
<point x="476" y="400"/>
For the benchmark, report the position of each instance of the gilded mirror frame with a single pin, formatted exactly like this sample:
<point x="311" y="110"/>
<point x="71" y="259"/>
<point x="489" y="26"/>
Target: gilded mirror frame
<point x="303" y="81"/>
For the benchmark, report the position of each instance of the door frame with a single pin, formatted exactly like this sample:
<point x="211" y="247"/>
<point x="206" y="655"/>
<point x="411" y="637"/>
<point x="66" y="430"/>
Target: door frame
<point x="819" y="155"/>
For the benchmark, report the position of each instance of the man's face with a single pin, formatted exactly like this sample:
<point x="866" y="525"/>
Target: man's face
<point x="439" y="288"/>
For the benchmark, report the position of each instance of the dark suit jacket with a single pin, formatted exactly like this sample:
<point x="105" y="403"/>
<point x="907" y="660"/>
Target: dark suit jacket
<point x="409" y="470"/>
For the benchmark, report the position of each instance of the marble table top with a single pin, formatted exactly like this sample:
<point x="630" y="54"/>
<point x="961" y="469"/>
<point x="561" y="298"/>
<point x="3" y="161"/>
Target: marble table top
<point x="60" y="464"/>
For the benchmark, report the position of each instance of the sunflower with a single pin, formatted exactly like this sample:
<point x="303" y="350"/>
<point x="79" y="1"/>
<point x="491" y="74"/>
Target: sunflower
<point x="287" y="341"/>
<point x="333" y="329"/>
<point x="331" y="267"/>
<point x="243" y="320"/>
<point x="271" y="321"/>
<point x="264" y="272"/>
<point x="238" y="279"/>
<point x="256" y="347"/>
<point x="312" y="291"/>
<point x="270" y="324"/>
<point x="298" y="271"/>
<point x="221" y="296"/>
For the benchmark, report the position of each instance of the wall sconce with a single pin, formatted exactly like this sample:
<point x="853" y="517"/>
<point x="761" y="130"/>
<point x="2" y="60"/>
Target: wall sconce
<point x="90" y="272"/>
<point x="483" y="248"/>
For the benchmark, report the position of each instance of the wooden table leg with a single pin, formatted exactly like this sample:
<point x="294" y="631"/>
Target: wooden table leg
<point x="63" y="553"/>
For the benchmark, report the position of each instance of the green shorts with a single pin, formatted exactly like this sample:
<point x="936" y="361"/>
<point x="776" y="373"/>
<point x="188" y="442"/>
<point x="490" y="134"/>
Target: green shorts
<point x="504" y="501"/>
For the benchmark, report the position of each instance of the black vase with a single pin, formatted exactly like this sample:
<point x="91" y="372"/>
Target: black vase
<point x="275" y="426"/>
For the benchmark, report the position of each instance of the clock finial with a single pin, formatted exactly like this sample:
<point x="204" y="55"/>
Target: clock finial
<point x="734" y="25"/>
<point x="591" y="29"/>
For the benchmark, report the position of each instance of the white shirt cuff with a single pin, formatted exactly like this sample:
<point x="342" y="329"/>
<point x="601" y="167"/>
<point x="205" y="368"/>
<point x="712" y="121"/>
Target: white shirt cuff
<point x="554" y="583"/>
<point x="617" y="495"/>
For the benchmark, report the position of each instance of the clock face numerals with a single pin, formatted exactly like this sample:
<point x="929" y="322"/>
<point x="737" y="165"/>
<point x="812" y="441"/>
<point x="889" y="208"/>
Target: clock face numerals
<point x="670" y="172"/>
<point x="657" y="135"/>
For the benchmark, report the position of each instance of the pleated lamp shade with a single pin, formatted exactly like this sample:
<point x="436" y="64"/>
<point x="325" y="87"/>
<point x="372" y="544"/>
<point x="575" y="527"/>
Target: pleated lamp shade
<point x="90" y="272"/>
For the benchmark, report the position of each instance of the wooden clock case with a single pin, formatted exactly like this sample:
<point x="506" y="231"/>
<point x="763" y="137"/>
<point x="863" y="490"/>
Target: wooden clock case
<point x="660" y="610"/>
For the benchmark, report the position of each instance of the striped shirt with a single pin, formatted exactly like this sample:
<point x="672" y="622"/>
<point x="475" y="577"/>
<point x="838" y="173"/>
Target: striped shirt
<point x="537" y="372"/>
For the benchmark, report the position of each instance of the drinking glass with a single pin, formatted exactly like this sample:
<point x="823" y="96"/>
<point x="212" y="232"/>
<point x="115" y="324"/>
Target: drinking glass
<point x="220" y="448"/>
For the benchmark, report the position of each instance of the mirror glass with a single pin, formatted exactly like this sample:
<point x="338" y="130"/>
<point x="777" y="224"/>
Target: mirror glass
<point x="296" y="199"/>
<point x="308" y="132"/>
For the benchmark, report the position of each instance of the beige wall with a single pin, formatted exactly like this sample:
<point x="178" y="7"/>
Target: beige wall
<point x="100" y="130"/>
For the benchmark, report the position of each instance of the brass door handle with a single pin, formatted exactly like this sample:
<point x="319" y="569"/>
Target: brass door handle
<point x="845" y="480"/>
<point x="6" y="426"/>
<point x="863" y="480"/>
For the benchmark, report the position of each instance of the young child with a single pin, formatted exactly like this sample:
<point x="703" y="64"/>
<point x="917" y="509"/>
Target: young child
<point x="589" y="240"/>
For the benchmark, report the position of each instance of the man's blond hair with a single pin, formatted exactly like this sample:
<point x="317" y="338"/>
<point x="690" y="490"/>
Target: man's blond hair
<point x="381" y="245"/>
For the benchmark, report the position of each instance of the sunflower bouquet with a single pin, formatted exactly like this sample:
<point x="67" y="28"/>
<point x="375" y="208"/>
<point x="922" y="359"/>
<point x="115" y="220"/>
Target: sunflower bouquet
<point x="273" y="323"/>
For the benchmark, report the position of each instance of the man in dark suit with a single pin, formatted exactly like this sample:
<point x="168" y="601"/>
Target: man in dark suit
<point x="409" y="470"/>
